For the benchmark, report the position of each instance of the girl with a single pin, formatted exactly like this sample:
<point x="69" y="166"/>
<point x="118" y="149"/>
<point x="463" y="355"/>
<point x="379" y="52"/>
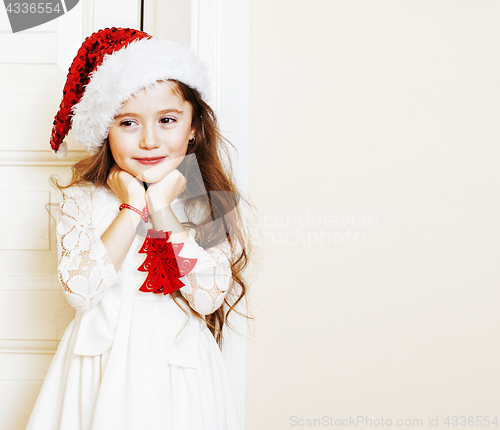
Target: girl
<point x="150" y="241"/>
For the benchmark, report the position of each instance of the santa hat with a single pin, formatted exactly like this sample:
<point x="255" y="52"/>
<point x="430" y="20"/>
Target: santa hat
<point x="112" y="65"/>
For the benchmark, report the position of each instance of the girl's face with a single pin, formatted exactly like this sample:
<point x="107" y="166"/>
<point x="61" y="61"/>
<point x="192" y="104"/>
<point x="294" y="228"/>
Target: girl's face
<point x="150" y="134"/>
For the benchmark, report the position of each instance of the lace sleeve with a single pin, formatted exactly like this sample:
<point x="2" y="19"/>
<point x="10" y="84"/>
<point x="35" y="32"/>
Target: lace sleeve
<point x="207" y="284"/>
<point x="85" y="270"/>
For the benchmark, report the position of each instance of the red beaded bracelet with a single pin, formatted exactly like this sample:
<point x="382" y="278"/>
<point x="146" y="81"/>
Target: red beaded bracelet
<point x="143" y="214"/>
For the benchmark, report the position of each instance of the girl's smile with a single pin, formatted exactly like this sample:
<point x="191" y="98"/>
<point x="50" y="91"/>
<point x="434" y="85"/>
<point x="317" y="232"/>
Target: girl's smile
<point x="151" y="132"/>
<point x="150" y="161"/>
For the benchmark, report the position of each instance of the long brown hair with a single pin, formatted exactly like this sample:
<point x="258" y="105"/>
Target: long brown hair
<point x="215" y="191"/>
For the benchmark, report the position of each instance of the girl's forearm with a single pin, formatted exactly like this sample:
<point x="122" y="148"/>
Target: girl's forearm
<point x="119" y="236"/>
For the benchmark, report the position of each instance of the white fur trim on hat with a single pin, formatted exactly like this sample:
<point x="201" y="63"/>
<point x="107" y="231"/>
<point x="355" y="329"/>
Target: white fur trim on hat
<point x="63" y="150"/>
<point x="125" y="72"/>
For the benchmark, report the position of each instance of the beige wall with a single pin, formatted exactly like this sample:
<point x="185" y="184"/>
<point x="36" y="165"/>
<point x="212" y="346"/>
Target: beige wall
<point x="374" y="154"/>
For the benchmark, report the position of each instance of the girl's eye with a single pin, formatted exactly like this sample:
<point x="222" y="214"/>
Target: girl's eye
<point x="127" y="123"/>
<point x="167" y="120"/>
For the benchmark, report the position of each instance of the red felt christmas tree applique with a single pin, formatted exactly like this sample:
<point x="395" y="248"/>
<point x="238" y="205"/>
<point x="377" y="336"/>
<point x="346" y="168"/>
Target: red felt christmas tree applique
<point x="163" y="264"/>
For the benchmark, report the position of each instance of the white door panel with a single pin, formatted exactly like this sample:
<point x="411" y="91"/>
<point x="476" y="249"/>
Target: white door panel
<point x="117" y="13"/>
<point x="17" y="399"/>
<point x="33" y="310"/>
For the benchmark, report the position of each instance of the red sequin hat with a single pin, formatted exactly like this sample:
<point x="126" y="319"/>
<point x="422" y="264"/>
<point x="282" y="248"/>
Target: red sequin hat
<point x="110" y="66"/>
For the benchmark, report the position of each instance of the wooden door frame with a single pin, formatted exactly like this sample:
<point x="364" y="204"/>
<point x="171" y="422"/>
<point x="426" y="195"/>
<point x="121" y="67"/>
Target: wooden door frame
<point x="220" y="33"/>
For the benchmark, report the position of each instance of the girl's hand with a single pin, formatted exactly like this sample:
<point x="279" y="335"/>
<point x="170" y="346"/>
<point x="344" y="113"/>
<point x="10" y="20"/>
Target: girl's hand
<point x="127" y="188"/>
<point x="160" y="194"/>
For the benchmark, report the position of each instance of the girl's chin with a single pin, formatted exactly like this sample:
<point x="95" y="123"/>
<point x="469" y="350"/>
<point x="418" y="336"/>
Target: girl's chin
<point x="151" y="176"/>
<point x="157" y="172"/>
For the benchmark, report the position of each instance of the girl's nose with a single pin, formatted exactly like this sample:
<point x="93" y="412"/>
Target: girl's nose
<point x="149" y="139"/>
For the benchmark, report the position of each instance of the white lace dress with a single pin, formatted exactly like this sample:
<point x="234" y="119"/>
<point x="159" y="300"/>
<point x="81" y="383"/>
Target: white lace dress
<point x="132" y="360"/>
